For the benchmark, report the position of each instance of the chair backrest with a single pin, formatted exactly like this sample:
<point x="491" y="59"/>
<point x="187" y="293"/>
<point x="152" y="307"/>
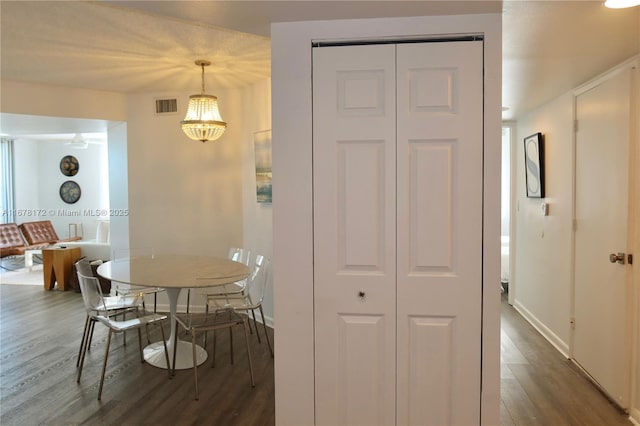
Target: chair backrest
<point x="240" y="255"/>
<point x="84" y="267"/>
<point x="91" y="293"/>
<point x="257" y="280"/>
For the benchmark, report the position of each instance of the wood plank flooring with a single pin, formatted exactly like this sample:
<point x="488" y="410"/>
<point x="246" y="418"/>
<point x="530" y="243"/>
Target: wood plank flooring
<point x="539" y="386"/>
<point x="39" y="338"/>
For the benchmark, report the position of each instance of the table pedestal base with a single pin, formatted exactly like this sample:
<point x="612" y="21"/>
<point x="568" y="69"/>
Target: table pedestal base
<point x="154" y="355"/>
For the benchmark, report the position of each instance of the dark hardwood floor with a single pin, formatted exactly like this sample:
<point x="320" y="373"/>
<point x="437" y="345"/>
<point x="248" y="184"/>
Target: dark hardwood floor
<point x="539" y="386"/>
<point x="39" y="338"/>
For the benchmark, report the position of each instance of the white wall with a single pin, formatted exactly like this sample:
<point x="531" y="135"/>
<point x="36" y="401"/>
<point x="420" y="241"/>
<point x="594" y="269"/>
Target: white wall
<point x="293" y="207"/>
<point x="257" y="223"/>
<point x="118" y="185"/>
<point x="55" y="101"/>
<point x="38" y="179"/>
<point x="543" y="245"/>
<point x="189" y="197"/>
<point x="185" y="196"/>
<point x="25" y="181"/>
<point x="182" y="196"/>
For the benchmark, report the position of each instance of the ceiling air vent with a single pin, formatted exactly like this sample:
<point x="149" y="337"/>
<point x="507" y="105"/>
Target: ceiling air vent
<point x="166" y="106"/>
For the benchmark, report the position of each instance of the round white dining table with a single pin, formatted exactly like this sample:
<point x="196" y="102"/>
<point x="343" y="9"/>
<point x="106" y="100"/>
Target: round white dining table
<point x="173" y="273"/>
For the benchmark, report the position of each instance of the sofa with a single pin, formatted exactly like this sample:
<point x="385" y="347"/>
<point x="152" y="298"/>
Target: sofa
<point x="98" y="248"/>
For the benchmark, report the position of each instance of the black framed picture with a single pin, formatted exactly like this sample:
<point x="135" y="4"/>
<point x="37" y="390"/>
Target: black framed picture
<point x="69" y="165"/>
<point x="70" y="192"/>
<point x="534" y="165"/>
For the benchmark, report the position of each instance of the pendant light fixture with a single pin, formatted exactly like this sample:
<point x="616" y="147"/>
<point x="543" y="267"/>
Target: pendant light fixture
<point x="203" y="121"/>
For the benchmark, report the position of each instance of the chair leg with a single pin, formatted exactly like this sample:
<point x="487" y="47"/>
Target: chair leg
<point x="213" y="355"/>
<point x="246" y="341"/>
<point x="175" y="348"/>
<point x="92" y="325"/>
<point x="104" y="364"/>
<point x="206" y="314"/>
<point x="85" y="348"/>
<point x="195" y="363"/>
<point x="124" y="333"/>
<point x="255" y="324"/>
<point x="251" y="328"/>
<point x="166" y="351"/>
<point x="213" y="352"/>
<point x="84" y="336"/>
<point x="231" y="338"/>
<point x="140" y="344"/>
<point x="266" y="334"/>
<point x="231" y="344"/>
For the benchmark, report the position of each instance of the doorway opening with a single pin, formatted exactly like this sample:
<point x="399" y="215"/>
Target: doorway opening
<point x="505" y="210"/>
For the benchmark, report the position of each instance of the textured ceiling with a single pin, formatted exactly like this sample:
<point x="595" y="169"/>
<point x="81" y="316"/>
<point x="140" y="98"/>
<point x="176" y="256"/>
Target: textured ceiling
<point x="101" y="47"/>
<point x="549" y="47"/>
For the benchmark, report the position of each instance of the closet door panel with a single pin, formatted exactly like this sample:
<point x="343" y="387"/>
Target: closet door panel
<point x="354" y="234"/>
<point x="439" y="231"/>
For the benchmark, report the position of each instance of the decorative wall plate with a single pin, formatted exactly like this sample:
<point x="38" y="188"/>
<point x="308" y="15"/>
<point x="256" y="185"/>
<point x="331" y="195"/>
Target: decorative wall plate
<point x="70" y="192"/>
<point x="69" y="165"/>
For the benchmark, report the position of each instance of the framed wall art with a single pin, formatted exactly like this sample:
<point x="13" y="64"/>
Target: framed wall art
<point x="262" y="147"/>
<point x="69" y="165"/>
<point x="534" y="165"/>
<point x="70" y="192"/>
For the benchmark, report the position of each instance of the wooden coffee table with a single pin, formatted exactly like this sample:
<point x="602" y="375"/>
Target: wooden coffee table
<point x="57" y="264"/>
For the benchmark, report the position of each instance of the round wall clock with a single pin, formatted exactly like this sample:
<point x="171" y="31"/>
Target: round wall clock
<point x="70" y="192"/>
<point x="69" y="165"/>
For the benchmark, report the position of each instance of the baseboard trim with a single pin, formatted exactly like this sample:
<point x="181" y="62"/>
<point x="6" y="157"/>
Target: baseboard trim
<point x="634" y="416"/>
<point x="557" y="343"/>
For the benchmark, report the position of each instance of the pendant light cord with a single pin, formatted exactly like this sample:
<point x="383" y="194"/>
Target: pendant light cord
<point x="202" y="79"/>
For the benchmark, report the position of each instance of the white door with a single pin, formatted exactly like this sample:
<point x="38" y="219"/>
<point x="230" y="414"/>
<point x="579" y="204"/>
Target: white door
<point x="397" y="169"/>
<point x="439" y="247"/>
<point x="354" y="187"/>
<point x="602" y="189"/>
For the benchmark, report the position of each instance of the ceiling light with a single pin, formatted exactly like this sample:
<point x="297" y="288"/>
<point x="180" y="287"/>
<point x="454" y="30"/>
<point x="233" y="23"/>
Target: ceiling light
<point x="621" y="4"/>
<point x="78" y="142"/>
<point x="203" y="121"/>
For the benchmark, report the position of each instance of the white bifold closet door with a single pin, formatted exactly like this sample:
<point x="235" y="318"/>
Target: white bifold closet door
<point x="397" y="172"/>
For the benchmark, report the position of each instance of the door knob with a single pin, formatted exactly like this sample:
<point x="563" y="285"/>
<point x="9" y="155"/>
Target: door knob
<point x="619" y="258"/>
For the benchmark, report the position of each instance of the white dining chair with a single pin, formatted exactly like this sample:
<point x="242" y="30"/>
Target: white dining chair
<point x="125" y="289"/>
<point x="195" y="323"/>
<point x="96" y="306"/>
<point x="250" y="299"/>
<point x="236" y="254"/>
<point x="113" y="305"/>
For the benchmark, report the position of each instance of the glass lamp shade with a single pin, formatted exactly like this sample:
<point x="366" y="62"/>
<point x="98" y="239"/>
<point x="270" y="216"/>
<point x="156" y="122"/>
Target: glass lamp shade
<point x="203" y="121"/>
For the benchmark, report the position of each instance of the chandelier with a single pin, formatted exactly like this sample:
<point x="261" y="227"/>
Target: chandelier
<point x="203" y="121"/>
